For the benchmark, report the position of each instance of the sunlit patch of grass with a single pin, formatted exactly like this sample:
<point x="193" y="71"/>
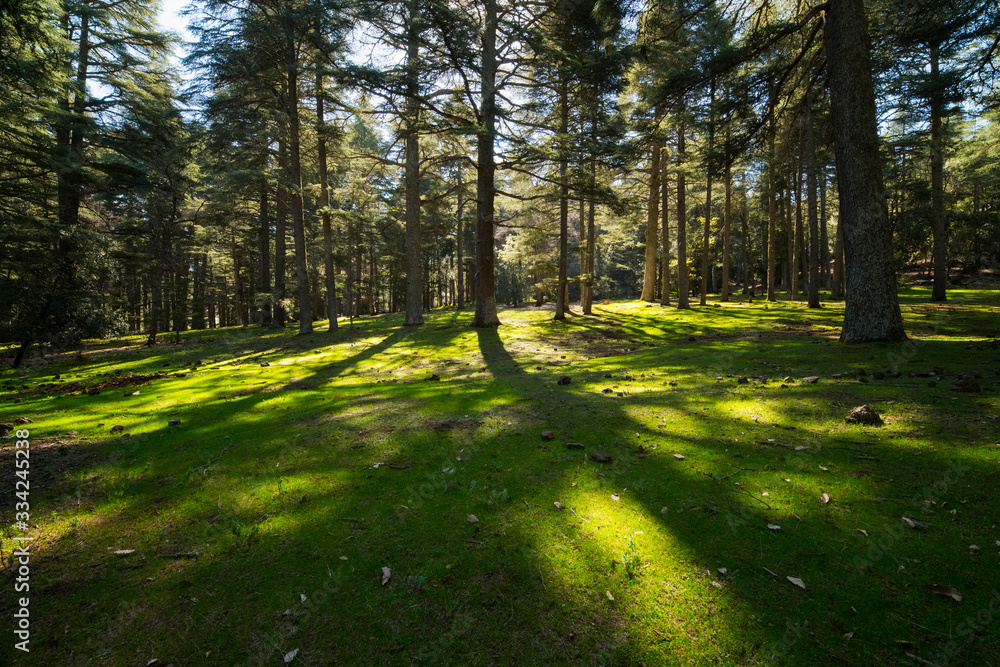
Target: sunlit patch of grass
<point x="343" y="448"/>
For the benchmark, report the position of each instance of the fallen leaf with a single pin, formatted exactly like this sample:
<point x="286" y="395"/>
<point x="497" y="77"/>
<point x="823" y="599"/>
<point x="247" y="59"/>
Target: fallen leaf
<point x="291" y="655"/>
<point x="825" y="497"/>
<point x="801" y="448"/>
<point x="973" y="549"/>
<point x="664" y="510"/>
<point x="343" y="558"/>
<point x="302" y="597"/>
<point x="798" y="582"/>
<point x="614" y="497"/>
<point x="558" y="505"/>
<point x="863" y="532"/>
<point x="771" y="526"/>
<point x="610" y="596"/>
<point x="902" y="643"/>
<point x="716" y="584"/>
<point x="679" y="457"/>
<point x="123" y="552"/>
<point x="765" y="495"/>
<point x="849" y="635"/>
<point x="722" y="570"/>
<point x="472" y="518"/>
<point x="824" y="468"/>
<point x="945" y="590"/>
<point x="913" y="523"/>
<point x="386" y="573"/>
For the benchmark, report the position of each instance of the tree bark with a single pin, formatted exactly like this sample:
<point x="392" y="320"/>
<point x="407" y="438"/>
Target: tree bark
<point x="772" y="205"/>
<point x="295" y="176"/>
<point x="652" y="224"/>
<point x="264" y="246"/>
<point x="561" y="296"/>
<point x="683" y="286"/>
<point x="664" y="234"/>
<point x="726" y="232"/>
<point x="280" y="241"/>
<point x="871" y="312"/>
<point x="486" y="302"/>
<point x="414" y="281"/>
<point x="329" y="268"/>
<point x="812" y="212"/>
<point x="939" y="252"/>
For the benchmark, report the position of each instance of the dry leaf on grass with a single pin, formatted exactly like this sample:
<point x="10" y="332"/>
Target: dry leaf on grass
<point x="863" y="532"/>
<point x="825" y="497"/>
<point x="771" y="526"/>
<point x="610" y="596"/>
<point x="945" y="590"/>
<point x="291" y="655"/>
<point x="664" y="510"/>
<point x="386" y="573"/>
<point x="913" y="523"/>
<point x="558" y="505"/>
<point x="614" y="497"/>
<point x="824" y="469"/>
<point x="798" y="582"/>
<point x="679" y="457"/>
<point x="472" y="518"/>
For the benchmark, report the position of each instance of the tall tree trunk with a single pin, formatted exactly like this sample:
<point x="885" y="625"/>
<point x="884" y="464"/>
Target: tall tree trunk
<point x="748" y="272"/>
<point x="798" y="275"/>
<point x="824" y="233"/>
<point x="664" y="233"/>
<point x="486" y="302"/>
<point x="772" y="204"/>
<point x="813" y="213"/>
<point x="264" y="247"/>
<point x="329" y="268"/>
<point x="871" y="312"/>
<point x="561" y="295"/>
<point x="295" y="176"/>
<point x="837" y="288"/>
<point x="280" y="241"/>
<point x="683" y="287"/>
<point x="460" y="243"/>
<point x="726" y="232"/>
<point x="588" y="284"/>
<point x="940" y="259"/>
<point x="414" y="282"/>
<point x="709" y="162"/>
<point x="652" y="224"/>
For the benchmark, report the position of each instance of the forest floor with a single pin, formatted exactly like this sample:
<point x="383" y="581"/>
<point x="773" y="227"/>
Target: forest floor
<point x="387" y="495"/>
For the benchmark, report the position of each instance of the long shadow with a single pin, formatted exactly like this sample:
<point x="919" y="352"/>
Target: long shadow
<point x="516" y="567"/>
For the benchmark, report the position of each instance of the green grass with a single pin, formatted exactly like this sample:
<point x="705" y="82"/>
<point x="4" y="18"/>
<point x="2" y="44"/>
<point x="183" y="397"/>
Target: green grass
<point x="307" y="476"/>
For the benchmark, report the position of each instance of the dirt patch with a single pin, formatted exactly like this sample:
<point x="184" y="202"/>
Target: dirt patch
<point x="442" y="425"/>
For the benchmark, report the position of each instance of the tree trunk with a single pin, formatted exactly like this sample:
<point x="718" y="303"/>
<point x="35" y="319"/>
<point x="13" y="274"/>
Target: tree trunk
<point x="664" y="234"/>
<point x="813" y="213"/>
<point x="264" y="246"/>
<point x="561" y="295"/>
<point x="652" y="224"/>
<point x="871" y="312"/>
<point x="824" y="233"/>
<point x="460" y="243"/>
<point x="940" y="259"/>
<point x="414" y="310"/>
<point x="486" y="303"/>
<point x="709" y="163"/>
<point x="772" y="205"/>
<point x="329" y="268"/>
<point x="726" y="232"/>
<point x="295" y="176"/>
<point x="280" y="240"/>
<point x="683" y="287"/>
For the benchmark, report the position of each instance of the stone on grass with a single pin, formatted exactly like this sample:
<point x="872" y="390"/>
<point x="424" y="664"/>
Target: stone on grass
<point x="574" y="445"/>
<point x="565" y="379"/>
<point x="600" y="457"/>
<point x="548" y="435"/>
<point x="812" y="379"/>
<point x="965" y="383"/>
<point x="22" y="420"/>
<point x="863" y="415"/>
<point x="117" y="429"/>
<point x="174" y="422"/>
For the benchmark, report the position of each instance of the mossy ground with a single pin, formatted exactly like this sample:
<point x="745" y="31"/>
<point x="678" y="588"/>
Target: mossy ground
<point x="290" y="486"/>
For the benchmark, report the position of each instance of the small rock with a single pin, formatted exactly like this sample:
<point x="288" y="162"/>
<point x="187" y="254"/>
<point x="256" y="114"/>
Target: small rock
<point x="812" y="379"/>
<point x="679" y="457"/>
<point x="548" y="435"/>
<point x="878" y="375"/>
<point x="93" y="391"/>
<point x="472" y="518"/>
<point x="174" y="422"/>
<point x="434" y="378"/>
<point x="609" y="390"/>
<point x="600" y="457"/>
<point x="117" y="429"/>
<point x="304" y="499"/>
<point x="19" y="400"/>
<point x="966" y="383"/>
<point x="787" y="379"/>
<point x="22" y="420"/>
<point x="742" y="380"/>
<point x="264" y="364"/>
<point x="565" y="379"/>
<point x="672" y="383"/>
<point x="893" y="375"/>
<point x="863" y="415"/>
<point x="574" y="445"/>
<point x="932" y="384"/>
